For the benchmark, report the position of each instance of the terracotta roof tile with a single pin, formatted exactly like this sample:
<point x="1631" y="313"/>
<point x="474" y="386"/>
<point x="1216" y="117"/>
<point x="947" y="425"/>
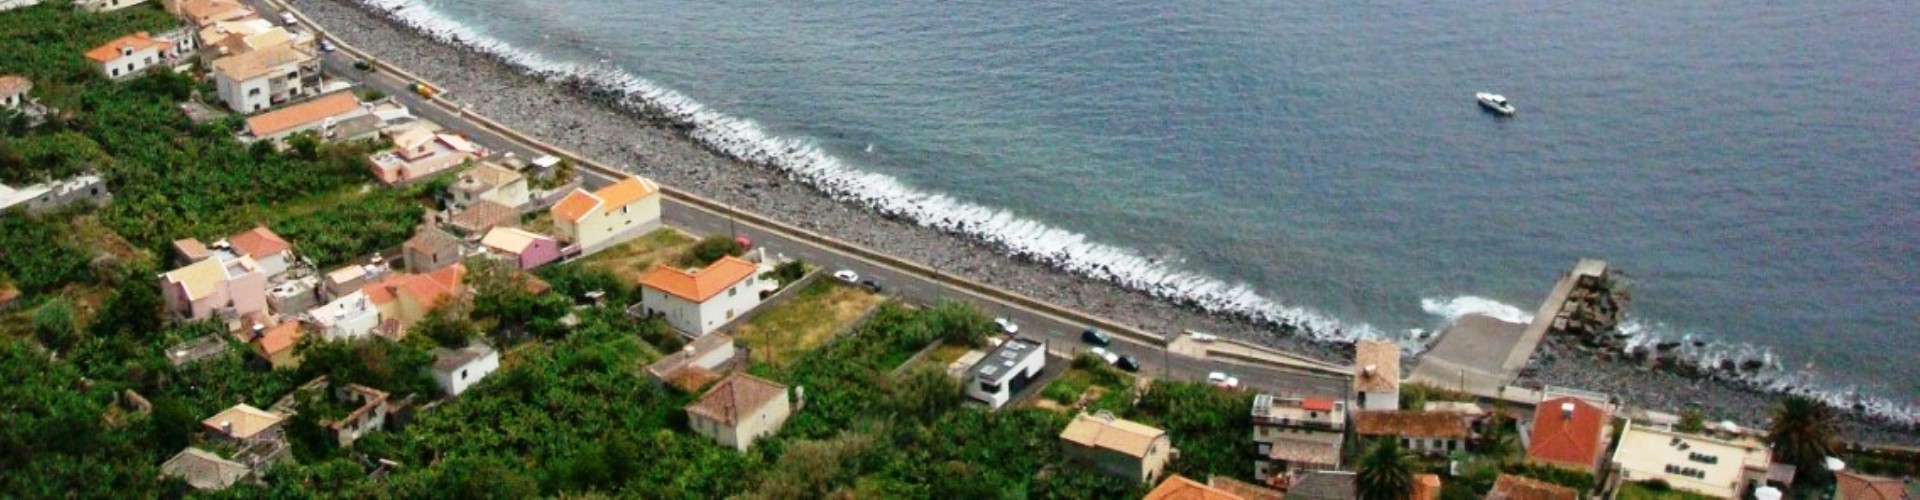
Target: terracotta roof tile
<point x="1178" y="487"/>
<point x="427" y="289"/>
<point x="14" y="84"/>
<point x="1410" y="424"/>
<point x="1510" y="487"/>
<point x="279" y="338"/>
<point x="201" y="11"/>
<point x="298" y="115"/>
<point x="247" y="421"/>
<point x="1573" y="441"/>
<point x="483" y="215"/>
<point x="259" y="242"/>
<point x="738" y="395"/>
<point x="1384" y="357"/>
<point x="575" y="206"/>
<point x="204" y="470"/>
<point x="510" y="240"/>
<point x="702" y="285"/>
<point x="257" y="63"/>
<point x="1246" y="490"/>
<point x="1857" y="486"/>
<point x="579" y="203"/>
<point x="1121" y="435"/>
<point x="137" y="41"/>
<point x="1426" y="487"/>
<point x="431" y="240"/>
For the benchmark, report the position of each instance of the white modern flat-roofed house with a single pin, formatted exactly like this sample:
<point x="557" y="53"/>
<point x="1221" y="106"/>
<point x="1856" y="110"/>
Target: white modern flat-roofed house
<point x="456" y="370"/>
<point x="1005" y="371"/>
<point x="699" y="302"/>
<point x="50" y="195"/>
<point x="129" y="56"/>
<point x="1705" y="465"/>
<point x="260" y="79"/>
<point x="349" y="317"/>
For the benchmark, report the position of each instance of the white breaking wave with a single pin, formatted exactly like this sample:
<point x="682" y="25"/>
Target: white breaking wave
<point x="1455" y="308"/>
<point x="802" y="161"/>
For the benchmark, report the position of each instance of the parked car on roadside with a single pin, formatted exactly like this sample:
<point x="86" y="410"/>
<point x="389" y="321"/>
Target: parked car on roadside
<point x="1223" y="381"/>
<point x="1105" y="355"/>
<point x="1096" y="337"/>
<point x="1006" y="325"/>
<point x="847" y="275"/>
<point x="871" y="285"/>
<point x="1127" y="363"/>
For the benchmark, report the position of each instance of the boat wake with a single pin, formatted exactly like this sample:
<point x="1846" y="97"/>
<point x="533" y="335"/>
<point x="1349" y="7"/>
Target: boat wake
<point x="802" y="161"/>
<point x="1755" y="366"/>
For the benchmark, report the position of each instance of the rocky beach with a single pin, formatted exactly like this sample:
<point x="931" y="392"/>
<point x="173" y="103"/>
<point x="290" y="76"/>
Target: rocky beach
<point x="578" y="119"/>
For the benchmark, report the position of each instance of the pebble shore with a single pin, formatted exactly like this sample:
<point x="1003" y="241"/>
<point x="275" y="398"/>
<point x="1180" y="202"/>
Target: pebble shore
<point x="579" y="123"/>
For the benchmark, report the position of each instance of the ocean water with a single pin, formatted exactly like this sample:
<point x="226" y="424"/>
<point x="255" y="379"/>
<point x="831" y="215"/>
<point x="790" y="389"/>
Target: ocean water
<point x="1754" y="166"/>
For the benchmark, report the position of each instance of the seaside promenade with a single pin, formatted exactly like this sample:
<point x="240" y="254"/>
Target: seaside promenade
<point x="1275" y="372"/>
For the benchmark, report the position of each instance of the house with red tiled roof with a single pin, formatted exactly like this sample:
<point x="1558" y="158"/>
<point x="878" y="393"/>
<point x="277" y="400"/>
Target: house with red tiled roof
<point x="431" y="248"/>
<point x="1117" y="446"/>
<point x="1431" y="433"/>
<point x="1178" y="487"/>
<point x="272" y="252"/>
<point x="257" y="80"/>
<point x="1376" y="375"/>
<point x="1569" y="432"/>
<point x="619" y="212"/>
<point x="324" y="115"/>
<point x="1511" y="487"/>
<point x="740" y="409"/>
<point x="276" y="344"/>
<point x="700" y="301"/>
<point x="129" y="56"/>
<point x="404" y="299"/>
<point x="1856" y="486"/>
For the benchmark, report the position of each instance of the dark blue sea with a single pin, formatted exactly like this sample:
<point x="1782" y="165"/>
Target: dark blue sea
<point x="1753" y="165"/>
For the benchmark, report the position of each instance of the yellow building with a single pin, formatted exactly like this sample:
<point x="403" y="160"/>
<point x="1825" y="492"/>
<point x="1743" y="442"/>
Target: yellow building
<point x="614" y="214"/>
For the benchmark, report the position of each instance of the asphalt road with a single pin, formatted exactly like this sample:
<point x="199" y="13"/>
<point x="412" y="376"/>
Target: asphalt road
<point x="1062" y="336"/>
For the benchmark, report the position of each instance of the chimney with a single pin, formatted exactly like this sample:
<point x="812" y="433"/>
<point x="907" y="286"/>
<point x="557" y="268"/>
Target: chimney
<point x="258" y="329"/>
<point x="1566" y="410"/>
<point x="226" y="427"/>
<point x="1370" y="369"/>
<point x="688" y="350"/>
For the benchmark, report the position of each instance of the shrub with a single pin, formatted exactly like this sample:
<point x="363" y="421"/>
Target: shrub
<point x="711" y="249"/>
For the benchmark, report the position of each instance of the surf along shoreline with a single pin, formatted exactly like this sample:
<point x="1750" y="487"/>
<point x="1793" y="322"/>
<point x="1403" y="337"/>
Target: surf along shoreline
<point x="596" y="115"/>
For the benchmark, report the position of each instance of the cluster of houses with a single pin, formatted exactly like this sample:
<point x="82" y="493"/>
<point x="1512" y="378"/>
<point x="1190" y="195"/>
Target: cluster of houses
<point x="253" y="439"/>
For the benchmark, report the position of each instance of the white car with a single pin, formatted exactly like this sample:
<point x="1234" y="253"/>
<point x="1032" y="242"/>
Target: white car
<point x="846" y="275"/>
<point x="1202" y="337"/>
<point x="1105" y="354"/>
<point x="1006" y="325"/>
<point x="288" y="19"/>
<point x="326" y="46"/>
<point x="1222" y="380"/>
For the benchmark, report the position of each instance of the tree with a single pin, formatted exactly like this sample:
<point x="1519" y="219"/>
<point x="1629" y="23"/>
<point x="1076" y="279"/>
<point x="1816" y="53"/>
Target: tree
<point x="1385" y="472"/>
<point x="446" y="327"/>
<point x="305" y="145"/>
<point x="1692" y="421"/>
<point x="711" y="249"/>
<point x="53" y="325"/>
<point x="1802" y="435"/>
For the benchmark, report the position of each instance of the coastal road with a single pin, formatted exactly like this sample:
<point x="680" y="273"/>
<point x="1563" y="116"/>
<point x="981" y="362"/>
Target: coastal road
<point x="1062" y="336"/>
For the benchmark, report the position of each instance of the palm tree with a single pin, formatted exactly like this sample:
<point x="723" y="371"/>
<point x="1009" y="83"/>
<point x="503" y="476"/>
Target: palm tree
<point x="1386" y="473"/>
<point x="1802" y="435"/>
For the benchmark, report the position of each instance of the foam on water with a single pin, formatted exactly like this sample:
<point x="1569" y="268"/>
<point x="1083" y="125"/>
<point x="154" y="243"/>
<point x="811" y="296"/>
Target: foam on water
<point x="802" y="161"/>
<point x="1700" y="351"/>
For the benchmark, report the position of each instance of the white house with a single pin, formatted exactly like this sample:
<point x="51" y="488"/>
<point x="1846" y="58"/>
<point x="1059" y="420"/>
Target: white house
<point x="996" y="378"/>
<point x="257" y="80"/>
<point x="50" y="195"/>
<point x="129" y="56"/>
<point x="458" y="369"/>
<point x="699" y="302"/>
<point x="739" y="410"/>
<point x="349" y="317"/>
<point x="106" y="5"/>
<point x="1376" y="375"/>
<point x="492" y="182"/>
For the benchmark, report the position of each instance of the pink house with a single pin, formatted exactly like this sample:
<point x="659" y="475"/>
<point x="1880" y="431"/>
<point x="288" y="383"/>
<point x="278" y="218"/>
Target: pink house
<point x="529" y="249"/>
<point x="227" y="287"/>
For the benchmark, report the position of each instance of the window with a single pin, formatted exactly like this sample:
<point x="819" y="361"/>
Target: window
<point x="1404" y="443"/>
<point x="116" y="71"/>
<point x="733" y="291"/>
<point x="463" y="374"/>
<point x="253" y="93"/>
<point x="729" y="314"/>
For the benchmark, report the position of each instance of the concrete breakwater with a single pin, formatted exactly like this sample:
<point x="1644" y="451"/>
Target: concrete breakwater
<point x="572" y="111"/>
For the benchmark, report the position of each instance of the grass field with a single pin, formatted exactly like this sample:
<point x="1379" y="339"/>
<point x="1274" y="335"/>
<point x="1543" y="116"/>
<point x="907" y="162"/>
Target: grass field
<point x="781" y="334"/>
<point x="631" y="259"/>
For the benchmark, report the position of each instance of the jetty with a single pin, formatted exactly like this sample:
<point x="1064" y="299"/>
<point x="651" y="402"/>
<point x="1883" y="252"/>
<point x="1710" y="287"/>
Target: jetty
<point x="1482" y="355"/>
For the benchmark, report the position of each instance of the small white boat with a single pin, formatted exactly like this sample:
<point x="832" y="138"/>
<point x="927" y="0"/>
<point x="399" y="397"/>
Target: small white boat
<point x="1495" y="102"/>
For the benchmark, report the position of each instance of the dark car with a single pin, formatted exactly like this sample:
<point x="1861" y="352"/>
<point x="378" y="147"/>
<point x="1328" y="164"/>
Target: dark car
<point x="1096" y="337"/>
<point x="1127" y="363"/>
<point x="873" y="286"/>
